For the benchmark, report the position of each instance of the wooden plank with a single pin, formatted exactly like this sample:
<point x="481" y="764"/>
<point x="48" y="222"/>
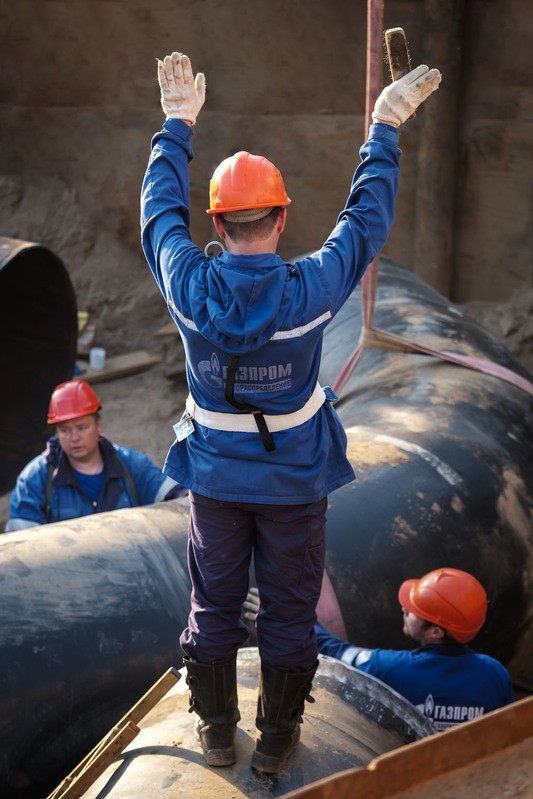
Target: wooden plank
<point x="168" y="329"/>
<point x="150" y="699"/>
<point x="406" y="769"/>
<point x="116" y="739"/>
<point x="75" y="787"/>
<point x="118" y="366"/>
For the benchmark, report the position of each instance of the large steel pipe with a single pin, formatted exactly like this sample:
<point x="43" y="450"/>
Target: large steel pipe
<point x="90" y="616"/>
<point x="354" y="719"/>
<point x="444" y="463"/>
<point x="38" y="331"/>
<point x="91" y="609"/>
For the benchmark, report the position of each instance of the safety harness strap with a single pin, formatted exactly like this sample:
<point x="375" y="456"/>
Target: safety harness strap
<point x="264" y="432"/>
<point x="50" y="476"/>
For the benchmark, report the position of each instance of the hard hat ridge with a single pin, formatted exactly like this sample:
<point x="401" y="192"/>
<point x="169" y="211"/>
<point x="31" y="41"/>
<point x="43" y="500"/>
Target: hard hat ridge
<point x="71" y="400"/>
<point x="243" y="182"/>
<point x="450" y="598"/>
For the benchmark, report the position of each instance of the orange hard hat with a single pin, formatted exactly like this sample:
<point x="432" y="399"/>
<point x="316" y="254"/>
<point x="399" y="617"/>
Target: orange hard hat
<point x="246" y="181"/>
<point x="71" y="400"/>
<point x="451" y="598"/>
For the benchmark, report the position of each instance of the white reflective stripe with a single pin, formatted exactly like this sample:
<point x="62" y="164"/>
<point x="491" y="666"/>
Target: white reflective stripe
<point x="298" y="332"/>
<point x="19" y="524"/>
<point x="355" y="656"/>
<point x="281" y="335"/>
<point x="245" y="422"/>
<point x="183" y="319"/>
<point x="164" y="488"/>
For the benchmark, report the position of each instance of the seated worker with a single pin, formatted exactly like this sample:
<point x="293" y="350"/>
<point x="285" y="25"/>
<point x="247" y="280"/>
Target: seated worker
<point x="447" y="681"/>
<point x="81" y="472"/>
<point x="443" y="678"/>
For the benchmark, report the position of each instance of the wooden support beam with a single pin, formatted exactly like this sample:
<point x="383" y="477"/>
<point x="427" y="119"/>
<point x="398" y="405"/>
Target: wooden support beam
<point x="437" y="171"/>
<point x="118" y="366"/>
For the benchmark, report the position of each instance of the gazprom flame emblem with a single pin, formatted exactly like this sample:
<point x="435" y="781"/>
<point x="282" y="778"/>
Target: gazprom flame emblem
<point x="429" y="706"/>
<point x="215" y="364"/>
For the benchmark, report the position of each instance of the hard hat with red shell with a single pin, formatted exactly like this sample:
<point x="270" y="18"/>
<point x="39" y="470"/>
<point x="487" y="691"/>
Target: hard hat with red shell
<point x="245" y="181"/>
<point x="450" y="598"/>
<point x="71" y="400"/>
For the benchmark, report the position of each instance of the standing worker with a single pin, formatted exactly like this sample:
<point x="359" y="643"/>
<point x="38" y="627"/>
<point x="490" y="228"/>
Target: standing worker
<point x="81" y="472"/>
<point x="448" y="682"/>
<point x="259" y="445"/>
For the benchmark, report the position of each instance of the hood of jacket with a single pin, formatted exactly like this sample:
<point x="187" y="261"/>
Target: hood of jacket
<point x="240" y="301"/>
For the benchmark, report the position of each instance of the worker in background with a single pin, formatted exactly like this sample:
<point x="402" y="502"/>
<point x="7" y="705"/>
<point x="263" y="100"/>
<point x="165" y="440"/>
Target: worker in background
<point x="259" y="445"/>
<point x="81" y="472"/>
<point x="447" y="681"/>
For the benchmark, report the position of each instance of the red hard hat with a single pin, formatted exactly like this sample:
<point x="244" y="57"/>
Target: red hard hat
<point x="451" y="598"/>
<point x="246" y="181"/>
<point x="71" y="400"/>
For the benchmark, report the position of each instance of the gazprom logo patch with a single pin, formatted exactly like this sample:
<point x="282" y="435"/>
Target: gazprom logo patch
<point x="429" y="706"/>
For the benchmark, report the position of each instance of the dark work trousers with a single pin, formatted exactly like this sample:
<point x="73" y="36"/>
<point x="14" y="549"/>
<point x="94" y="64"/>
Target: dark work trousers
<point x="288" y="543"/>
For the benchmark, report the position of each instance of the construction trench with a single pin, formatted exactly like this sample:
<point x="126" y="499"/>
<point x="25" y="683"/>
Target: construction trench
<point x="70" y="668"/>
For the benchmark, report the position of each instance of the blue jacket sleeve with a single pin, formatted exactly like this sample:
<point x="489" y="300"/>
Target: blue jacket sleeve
<point x="27" y="501"/>
<point x="335" y="647"/>
<point x="150" y="483"/>
<point x="165" y="217"/>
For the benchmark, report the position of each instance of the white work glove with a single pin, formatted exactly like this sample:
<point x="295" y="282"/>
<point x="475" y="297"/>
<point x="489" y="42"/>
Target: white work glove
<point x="251" y="605"/>
<point x="182" y="95"/>
<point x="400" y="99"/>
<point x="249" y="612"/>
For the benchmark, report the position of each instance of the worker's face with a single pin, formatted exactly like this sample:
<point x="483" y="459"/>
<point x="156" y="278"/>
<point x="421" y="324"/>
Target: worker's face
<point x="413" y="626"/>
<point x="79" y="438"/>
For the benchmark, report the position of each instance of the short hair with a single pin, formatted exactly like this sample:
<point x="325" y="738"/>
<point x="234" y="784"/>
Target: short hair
<point x="258" y="229"/>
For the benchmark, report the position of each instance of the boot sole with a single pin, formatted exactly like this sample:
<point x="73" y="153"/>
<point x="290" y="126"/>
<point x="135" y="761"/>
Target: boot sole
<point x="272" y="764"/>
<point x="225" y="756"/>
<point x="220" y="757"/>
<point x="267" y="764"/>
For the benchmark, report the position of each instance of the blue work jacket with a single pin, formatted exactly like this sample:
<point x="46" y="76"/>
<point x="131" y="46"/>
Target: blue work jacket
<point x="131" y="479"/>
<point x="269" y="313"/>
<point x="448" y="683"/>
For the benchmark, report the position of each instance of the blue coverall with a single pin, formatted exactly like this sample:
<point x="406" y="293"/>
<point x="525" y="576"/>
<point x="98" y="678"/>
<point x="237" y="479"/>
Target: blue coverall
<point x="27" y="505"/>
<point x="449" y="683"/>
<point x="271" y="315"/>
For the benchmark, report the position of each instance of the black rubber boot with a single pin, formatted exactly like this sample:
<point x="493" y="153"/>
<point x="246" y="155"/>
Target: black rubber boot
<point x="280" y="706"/>
<point x="214" y="698"/>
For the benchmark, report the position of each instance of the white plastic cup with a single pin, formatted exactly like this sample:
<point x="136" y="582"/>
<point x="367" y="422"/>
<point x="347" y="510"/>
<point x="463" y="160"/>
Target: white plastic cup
<point x="97" y="358"/>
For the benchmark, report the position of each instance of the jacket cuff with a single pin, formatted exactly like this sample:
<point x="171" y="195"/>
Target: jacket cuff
<point x="381" y="131"/>
<point x="178" y="128"/>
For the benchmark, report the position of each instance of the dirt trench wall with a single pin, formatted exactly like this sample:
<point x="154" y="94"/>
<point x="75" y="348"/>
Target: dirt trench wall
<point x="79" y="103"/>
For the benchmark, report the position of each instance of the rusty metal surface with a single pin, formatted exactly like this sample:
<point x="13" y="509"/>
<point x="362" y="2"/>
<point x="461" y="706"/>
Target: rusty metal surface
<point x="354" y="718"/>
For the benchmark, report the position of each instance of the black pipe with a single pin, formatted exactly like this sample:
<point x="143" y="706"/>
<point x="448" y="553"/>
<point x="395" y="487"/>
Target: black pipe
<point x="444" y="462"/>
<point x="38" y="334"/>
<point x="92" y="608"/>
<point x="90" y="616"/>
